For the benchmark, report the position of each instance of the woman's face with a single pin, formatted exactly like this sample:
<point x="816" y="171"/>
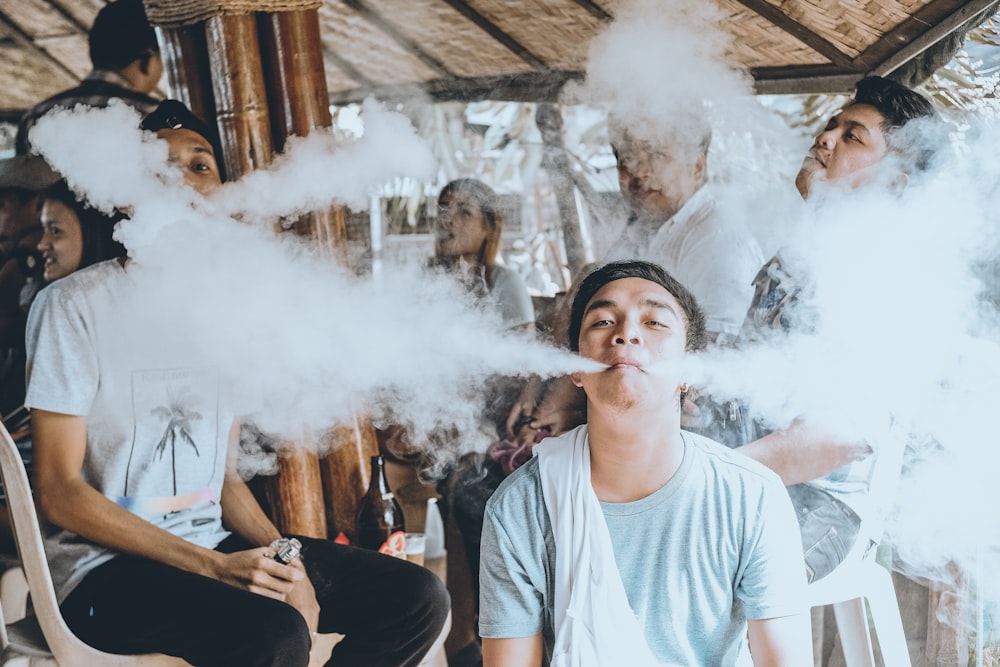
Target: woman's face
<point x="461" y="227"/>
<point x="62" y="240"/>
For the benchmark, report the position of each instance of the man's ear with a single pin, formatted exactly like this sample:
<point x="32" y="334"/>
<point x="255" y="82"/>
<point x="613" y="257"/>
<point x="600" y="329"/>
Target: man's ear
<point x="898" y="183"/>
<point x="700" y="168"/>
<point x="575" y="377"/>
<point x="144" y="59"/>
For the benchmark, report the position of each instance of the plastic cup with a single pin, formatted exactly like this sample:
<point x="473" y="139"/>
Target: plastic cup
<point x="415" y="545"/>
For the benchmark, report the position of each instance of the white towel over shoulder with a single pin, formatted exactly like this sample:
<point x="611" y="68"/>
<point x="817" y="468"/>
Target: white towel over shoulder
<point x="593" y="622"/>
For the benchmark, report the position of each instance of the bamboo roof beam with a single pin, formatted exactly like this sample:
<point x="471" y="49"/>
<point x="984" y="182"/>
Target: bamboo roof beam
<point x="496" y="33"/>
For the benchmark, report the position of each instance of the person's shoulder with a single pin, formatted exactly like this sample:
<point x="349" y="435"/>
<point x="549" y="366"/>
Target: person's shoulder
<point x="76" y="285"/>
<point x="506" y="281"/>
<point x="521" y="488"/>
<point x="731" y="461"/>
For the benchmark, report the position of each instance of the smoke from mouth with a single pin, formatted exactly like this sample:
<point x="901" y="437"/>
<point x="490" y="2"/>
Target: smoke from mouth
<point x="306" y="344"/>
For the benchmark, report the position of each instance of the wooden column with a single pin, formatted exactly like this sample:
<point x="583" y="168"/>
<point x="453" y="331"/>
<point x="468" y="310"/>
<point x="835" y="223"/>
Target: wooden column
<point x="299" y="101"/>
<point x="261" y="77"/>
<point x="550" y="123"/>
<point x="346" y="471"/>
<point x="241" y="105"/>
<point x="185" y="63"/>
<point x="239" y="91"/>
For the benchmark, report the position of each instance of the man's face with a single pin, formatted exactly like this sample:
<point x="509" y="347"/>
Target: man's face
<point x="18" y="222"/>
<point x="656" y="181"/>
<point x="638" y="329"/>
<point x="196" y="158"/>
<point x="845" y="151"/>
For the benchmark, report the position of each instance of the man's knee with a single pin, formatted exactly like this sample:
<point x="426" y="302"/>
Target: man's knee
<point x="282" y="639"/>
<point x="429" y="598"/>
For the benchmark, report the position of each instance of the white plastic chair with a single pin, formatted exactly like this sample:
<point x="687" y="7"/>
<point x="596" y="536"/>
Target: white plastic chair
<point x="861" y="578"/>
<point x="43" y="639"/>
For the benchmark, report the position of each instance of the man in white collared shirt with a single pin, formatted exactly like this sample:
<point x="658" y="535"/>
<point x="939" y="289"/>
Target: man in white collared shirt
<point x="677" y="223"/>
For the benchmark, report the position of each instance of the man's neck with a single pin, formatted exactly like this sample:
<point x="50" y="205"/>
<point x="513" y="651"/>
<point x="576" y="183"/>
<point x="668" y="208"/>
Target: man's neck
<point x="633" y="453"/>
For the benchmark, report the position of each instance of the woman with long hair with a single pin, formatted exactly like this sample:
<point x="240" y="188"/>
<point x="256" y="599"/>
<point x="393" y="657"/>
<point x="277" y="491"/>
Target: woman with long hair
<point x="74" y="235"/>
<point x="467" y="243"/>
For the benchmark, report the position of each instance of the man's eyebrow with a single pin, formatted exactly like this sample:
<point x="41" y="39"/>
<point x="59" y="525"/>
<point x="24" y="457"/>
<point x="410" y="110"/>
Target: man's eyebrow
<point x="596" y="305"/>
<point x="855" y="125"/>
<point x="202" y="149"/>
<point x="653" y="303"/>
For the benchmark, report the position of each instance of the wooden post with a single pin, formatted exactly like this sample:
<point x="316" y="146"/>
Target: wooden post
<point x="346" y="471"/>
<point x="185" y="62"/>
<point x="240" y="97"/>
<point x="550" y="124"/>
<point x="292" y="59"/>
<point x="296" y="84"/>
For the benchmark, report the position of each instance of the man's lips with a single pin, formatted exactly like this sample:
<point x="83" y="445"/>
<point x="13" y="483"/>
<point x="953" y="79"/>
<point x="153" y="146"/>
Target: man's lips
<point x="624" y="363"/>
<point x="815" y="158"/>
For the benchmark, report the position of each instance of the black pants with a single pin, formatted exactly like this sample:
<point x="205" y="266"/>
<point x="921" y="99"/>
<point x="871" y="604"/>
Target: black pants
<point x="390" y="611"/>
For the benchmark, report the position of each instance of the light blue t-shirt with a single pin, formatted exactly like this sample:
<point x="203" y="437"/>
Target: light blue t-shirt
<point x="718" y="544"/>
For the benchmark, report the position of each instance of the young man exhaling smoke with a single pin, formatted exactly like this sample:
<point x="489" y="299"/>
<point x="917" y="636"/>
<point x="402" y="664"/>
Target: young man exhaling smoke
<point x="159" y="545"/>
<point x="878" y="141"/>
<point x="627" y="541"/>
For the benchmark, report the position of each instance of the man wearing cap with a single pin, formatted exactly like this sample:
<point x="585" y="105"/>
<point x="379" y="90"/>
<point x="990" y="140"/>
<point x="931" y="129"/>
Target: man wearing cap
<point x="21" y="180"/>
<point x="158" y="546"/>
<point x="127" y="66"/>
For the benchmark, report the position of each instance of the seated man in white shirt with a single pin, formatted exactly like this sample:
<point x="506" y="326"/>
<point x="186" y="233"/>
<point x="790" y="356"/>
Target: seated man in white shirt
<point x="626" y="541"/>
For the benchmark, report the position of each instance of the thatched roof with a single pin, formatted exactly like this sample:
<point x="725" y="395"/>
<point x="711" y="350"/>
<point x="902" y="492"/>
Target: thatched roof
<point x="517" y="49"/>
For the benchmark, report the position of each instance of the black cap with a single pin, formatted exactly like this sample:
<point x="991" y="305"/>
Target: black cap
<point x="173" y="115"/>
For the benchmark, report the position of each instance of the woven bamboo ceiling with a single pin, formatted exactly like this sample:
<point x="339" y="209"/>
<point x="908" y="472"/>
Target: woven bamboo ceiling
<point x="516" y="49"/>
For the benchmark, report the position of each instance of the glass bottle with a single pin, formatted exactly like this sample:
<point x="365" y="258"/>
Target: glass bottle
<point x="380" y="522"/>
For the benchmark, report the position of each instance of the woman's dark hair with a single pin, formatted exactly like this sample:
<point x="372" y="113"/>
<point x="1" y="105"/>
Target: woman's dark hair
<point x="489" y="204"/>
<point x="601" y="276"/>
<point x="96" y="229"/>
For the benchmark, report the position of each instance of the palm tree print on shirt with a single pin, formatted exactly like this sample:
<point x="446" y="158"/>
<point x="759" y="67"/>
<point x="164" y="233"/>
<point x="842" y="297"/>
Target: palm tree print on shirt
<point x="178" y="413"/>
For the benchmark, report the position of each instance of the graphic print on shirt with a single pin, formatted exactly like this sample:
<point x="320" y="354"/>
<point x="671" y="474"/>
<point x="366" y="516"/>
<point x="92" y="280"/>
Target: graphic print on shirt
<point x="175" y="440"/>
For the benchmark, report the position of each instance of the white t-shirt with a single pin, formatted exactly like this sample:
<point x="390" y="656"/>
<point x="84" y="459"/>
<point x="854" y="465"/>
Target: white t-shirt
<point x="711" y="252"/>
<point x="157" y="421"/>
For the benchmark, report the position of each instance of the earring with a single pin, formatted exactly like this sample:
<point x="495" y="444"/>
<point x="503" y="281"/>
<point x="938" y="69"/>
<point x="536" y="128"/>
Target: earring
<point x="684" y="392"/>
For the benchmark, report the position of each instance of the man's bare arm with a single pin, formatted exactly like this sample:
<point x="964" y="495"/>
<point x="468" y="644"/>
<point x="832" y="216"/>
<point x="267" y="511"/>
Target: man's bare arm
<point x="785" y="641"/>
<point x="803" y="452"/>
<point x="513" y="652"/>
<point x="59" y="443"/>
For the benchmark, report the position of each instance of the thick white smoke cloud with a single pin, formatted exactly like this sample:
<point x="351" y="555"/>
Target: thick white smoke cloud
<point x="307" y="344"/>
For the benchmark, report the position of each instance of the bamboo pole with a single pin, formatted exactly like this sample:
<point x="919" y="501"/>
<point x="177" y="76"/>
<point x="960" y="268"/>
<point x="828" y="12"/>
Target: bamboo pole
<point x="299" y="101"/>
<point x="185" y="63"/>
<point x="292" y="59"/>
<point x="239" y="92"/>
<point x="549" y="120"/>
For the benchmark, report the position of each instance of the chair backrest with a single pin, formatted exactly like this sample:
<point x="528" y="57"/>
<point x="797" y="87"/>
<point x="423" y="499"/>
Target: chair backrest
<point x="883" y="484"/>
<point x="67" y="649"/>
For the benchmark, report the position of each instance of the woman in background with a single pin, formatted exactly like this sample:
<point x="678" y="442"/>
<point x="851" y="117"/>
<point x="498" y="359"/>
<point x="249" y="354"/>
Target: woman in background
<point x="74" y="235"/>
<point x="467" y="244"/>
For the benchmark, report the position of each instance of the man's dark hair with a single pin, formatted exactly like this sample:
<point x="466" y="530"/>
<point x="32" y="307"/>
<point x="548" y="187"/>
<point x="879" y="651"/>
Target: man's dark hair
<point x="694" y="318"/>
<point x="899" y="106"/>
<point x="96" y="229"/>
<point x="897" y="103"/>
<point x="121" y="34"/>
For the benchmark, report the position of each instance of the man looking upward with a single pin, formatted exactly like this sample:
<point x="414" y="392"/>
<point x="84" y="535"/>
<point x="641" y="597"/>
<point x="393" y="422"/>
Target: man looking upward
<point x="626" y="540"/>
